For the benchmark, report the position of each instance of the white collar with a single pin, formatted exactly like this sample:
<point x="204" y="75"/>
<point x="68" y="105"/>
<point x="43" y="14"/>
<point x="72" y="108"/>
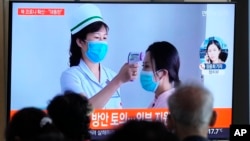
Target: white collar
<point x="91" y="75"/>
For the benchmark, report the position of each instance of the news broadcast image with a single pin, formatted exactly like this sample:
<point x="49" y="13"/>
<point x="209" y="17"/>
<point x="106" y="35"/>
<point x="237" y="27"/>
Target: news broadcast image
<point x="40" y="41"/>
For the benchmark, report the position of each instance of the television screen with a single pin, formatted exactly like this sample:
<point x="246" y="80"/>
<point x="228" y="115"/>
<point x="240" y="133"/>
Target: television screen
<point x="39" y="42"/>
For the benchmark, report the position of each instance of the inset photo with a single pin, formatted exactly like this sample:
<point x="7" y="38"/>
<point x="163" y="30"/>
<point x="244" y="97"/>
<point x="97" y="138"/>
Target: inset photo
<point x="213" y="54"/>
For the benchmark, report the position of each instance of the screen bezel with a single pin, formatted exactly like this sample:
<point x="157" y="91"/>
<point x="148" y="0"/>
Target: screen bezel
<point x="99" y="2"/>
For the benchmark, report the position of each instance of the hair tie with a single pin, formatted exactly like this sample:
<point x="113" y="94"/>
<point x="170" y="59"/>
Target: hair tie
<point x="45" y="120"/>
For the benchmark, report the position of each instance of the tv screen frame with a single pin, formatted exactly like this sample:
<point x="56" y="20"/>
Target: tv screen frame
<point x="10" y="49"/>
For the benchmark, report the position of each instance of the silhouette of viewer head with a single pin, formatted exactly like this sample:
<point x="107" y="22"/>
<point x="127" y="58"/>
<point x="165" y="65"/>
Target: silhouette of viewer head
<point x="49" y="132"/>
<point x="24" y="125"/>
<point x="142" y="130"/>
<point x="191" y="110"/>
<point x="70" y="113"/>
<point x="30" y="124"/>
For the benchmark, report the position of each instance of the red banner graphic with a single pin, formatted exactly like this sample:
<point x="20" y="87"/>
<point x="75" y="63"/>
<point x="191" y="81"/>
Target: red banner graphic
<point x="41" y="11"/>
<point x="110" y="119"/>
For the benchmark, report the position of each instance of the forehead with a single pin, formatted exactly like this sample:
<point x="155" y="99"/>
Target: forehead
<point x="147" y="59"/>
<point x="212" y="46"/>
<point x="99" y="33"/>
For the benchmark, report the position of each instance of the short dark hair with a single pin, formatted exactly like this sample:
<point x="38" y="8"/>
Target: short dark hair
<point x="25" y="124"/>
<point x="70" y="113"/>
<point x="142" y="130"/>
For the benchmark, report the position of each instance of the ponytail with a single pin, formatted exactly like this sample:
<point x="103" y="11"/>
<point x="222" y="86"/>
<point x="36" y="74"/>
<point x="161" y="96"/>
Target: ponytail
<point x="48" y="131"/>
<point x="75" y="52"/>
<point x="177" y="82"/>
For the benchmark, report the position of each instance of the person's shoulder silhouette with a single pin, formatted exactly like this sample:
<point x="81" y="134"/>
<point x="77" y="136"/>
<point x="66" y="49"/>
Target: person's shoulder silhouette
<point x="141" y="130"/>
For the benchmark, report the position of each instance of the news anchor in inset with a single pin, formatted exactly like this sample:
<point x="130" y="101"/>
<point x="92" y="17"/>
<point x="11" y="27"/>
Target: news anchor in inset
<point x="160" y="72"/>
<point x="214" y="53"/>
<point x="88" y="48"/>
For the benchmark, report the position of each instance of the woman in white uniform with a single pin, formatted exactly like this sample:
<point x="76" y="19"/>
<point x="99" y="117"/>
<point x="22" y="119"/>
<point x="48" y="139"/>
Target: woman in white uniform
<point x="88" y="48"/>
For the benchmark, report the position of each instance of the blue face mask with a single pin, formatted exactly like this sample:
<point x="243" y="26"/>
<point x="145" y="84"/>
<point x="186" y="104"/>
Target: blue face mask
<point x="147" y="81"/>
<point x="96" y="51"/>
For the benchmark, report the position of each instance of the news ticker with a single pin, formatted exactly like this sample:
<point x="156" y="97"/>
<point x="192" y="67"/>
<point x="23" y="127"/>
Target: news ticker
<point x="234" y="133"/>
<point x="213" y="133"/>
<point x="239" y="132"/>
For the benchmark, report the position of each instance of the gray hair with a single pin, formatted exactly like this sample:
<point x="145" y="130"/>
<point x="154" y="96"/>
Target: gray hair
<point x="191" y="105"/>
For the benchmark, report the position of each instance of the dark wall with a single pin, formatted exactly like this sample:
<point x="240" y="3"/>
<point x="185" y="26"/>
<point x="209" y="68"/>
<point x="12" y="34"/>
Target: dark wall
<point x="241" y="97"/>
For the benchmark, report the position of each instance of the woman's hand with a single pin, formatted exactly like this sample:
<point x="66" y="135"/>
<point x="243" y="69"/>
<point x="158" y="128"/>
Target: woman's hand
<point x="207" y="58"/>
<point x="128" y="72"/>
